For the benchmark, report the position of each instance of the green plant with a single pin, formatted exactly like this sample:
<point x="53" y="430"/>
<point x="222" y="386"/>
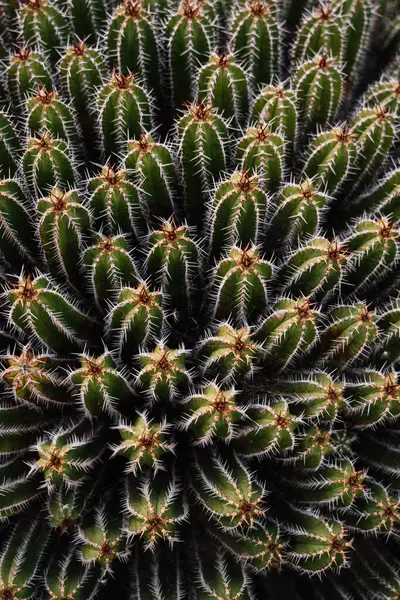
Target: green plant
<point x="200" y="324"/>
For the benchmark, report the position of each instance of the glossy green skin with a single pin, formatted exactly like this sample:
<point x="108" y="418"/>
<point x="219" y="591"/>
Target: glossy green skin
<point x="53" y="115"/>
<point x="318" y="34"/>
<point x="383" y="198"/>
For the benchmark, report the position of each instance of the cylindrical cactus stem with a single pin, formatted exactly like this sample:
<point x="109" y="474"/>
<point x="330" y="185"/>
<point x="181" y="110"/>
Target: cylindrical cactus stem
<point x="219" y="575"/>
<point x="27" y="70"/>
<point x="373" y="252"/>
<point x="132" y="43"/>
<point x="20" y="430"/>
<point x="66" y="575"/>
<point x="163" y="375"/>
<point x="63" y="225"/>
<point x="99" y="387"/>
<point x="152" y="166"/>
<point x="337" y="483"/>
<point x="312" y="447"/>
<point x="115" y="203"/>
<point x="17" y="230"/>
<point x="379" y="512"/>
<point x="173" y="262"/>
<point x="330" y="158"/>
<point x="230" y="353"/>
<point x="262" y="151"/>
<point x="42" y="24"/>
<point x="237" y="213"/>
<point x="22" y="554"/>
<point x="224" y="83"/>
<point x="373" y="398"/>
<point x="317" y="545"/>
<point x="38" y="308"/>
<point x="385" y="93"/>
<point x="33" y="379"/>
<point x="164" y="567"/>
<point x="135" y="320"/>
<point x="382" y="199"/>
<point x="269" y="429"/>
<point x="374" y="132"/>
<point x="47" y="162"/>
<point x="357" y="19"/>
<point x="288" y="333"/>
<point x="10" y="147"/>
<point x="315" y="269"/>
<point x="260" y="548"/>
<point x="18" y="489"/>
<point x="240" y="284"/>
<point x="103" y="542"/>
<point x="203" y="150"/>
<point x="388" y="351"/>
<point x="319" y="87"/>
<point x="154" y="512"/>
<point x="214" y="481"/>
<point x="67" y="454"/>
<point x="298" y="215"/>
<point x="67" y="506"/>
<point x="313" y="394"/>
<point x="82" y="71"/>
<point x="276" y="105"/>
<point x="143" y="443"/>
<point x="255" y="39"/>
<point x="124" y="109"/>
<point x="351" y="331"/>
<point x="108" y="266"/>
<point x="89" y="17"/>
<point x="212" y="413"/>
<point x="190" y="38"/>
<point x="320" y="31"/>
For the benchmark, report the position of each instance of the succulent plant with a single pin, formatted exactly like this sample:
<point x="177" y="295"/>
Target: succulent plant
<point x="200" y="323"/>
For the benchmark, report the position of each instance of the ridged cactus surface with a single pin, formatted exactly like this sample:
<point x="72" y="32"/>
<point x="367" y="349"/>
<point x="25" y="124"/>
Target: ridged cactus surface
<point x="200" y="314"/>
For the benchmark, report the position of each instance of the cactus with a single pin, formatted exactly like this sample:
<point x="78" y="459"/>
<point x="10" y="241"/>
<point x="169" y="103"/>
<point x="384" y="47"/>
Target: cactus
<point x="237" y="212"/>
<point x="152" y="163"/>
<point x="132" y="43"/>
<point x="27" y="70"/>
<point x="255" y="38"/>
<point x="190" y="38"/>
<point x="262" y="151"/>
<point x="82" y="71"/>
<point x="316" y="79"/>
<point x="199" y="269"/>
<point x="115" y="202"/>
<point x="63" y="224"/>
<point x="124" y="110"/>
<point x="203" y="137"/>
<point x="224" y="83"/>
<point x="47" y="162"/>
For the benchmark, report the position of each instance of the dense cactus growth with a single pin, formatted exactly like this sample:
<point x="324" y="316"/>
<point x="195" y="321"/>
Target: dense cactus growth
<point x="200" y="316"/>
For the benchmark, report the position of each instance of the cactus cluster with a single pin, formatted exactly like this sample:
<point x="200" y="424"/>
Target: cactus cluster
<point x="200" y="314"/>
